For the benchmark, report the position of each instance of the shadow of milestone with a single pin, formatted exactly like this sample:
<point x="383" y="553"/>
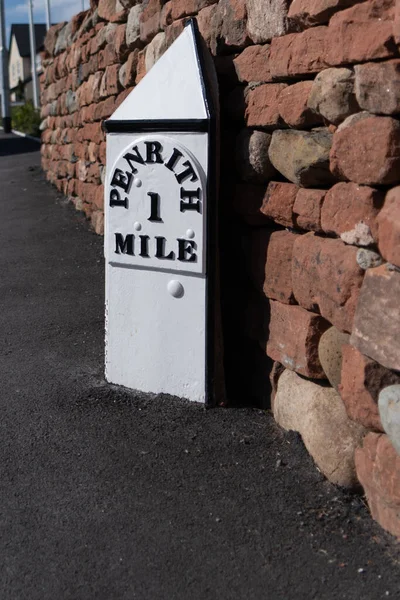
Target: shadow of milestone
<point x="10" y="144"/>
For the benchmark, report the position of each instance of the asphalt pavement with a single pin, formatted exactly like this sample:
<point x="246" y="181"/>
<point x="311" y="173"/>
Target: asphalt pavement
<point x="109" y="494"/>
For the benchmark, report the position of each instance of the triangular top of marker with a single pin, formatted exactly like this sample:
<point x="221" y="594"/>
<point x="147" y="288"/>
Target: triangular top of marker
<point x="173" y="89"/>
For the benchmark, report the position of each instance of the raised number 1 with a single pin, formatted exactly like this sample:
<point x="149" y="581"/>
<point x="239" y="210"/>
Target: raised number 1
<point x="155" y="208"/>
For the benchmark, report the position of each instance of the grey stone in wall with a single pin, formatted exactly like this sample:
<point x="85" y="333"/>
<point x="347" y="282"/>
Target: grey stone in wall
<point x="133" y="25"/>
<point x="302" y="156"/>
<point x="330" y="354"/>
<point x="154" y="50"/>
<point x="252" y="159"/>
<point x="317" y="412"/>
<point x="332" y="95"/>
<point x="266" y="19"/>
<point x="368" y="259"/>
<point x="389" y="410"/>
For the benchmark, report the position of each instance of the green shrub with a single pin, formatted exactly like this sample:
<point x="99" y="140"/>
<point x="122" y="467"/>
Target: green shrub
<point x="26" y="119"/>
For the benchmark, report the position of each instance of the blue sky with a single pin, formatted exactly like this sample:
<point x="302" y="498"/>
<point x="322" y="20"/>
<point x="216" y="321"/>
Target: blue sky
<point x="61" y="10"/>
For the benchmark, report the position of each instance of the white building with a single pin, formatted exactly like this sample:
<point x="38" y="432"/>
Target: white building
<point x="19" y="60"/>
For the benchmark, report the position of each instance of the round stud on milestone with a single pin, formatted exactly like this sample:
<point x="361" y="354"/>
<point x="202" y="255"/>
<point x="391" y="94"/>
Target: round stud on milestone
<point x="175" y="288"/>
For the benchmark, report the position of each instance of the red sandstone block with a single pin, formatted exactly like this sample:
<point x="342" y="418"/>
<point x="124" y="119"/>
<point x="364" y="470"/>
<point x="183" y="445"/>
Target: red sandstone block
<point x="307" y="13"/>
<point x="75" y="80"/>
<point x="307" y="208"/>
<point x="95" y="45"/>
<point x="98" y="199"/>
<point x="45" y="111"/>
<point x="83" y="55"/>
<point x="368" y="151"/>
<point x="396" y="23"/>
<point x="298" y="53"/>
<point x="371" y="79"/>
<point x="70" y="188"/>
<point x="326" y="277"/>
<point x="93" y="87"/>
<point x="91" y="132"/>
<point x="88" y="192"/>
<point x="253" y="64"/>
<point x="67" y="152"/>
<point x="389" y="227"/>
<point x="81" y="170"/>
<point x="110" y="84"/>
<point x="82" y="94"/>
<point x="292" y="106"/>
<point x="46" y="137"/>
<point x="375" y="331"/>
<point x="93" y="152"/>
<point x="210" y="27"/>
<point x="97" y="221"/>
<point x="102" y="153"/>
<point x="173" y="31"/>
<point x="150" y="21"/>
<point x="80" y="150"/>
<point x="77" y="21"/>
<point x="120" y="42"/>
<point x="293" y="339"/>
<point x="130" y="69"/>
<point x="105" y="109"/>
<point x="262" y="105"/>
<point x="59" y="184"/>
<point x="70" y="169"/>
<point x="93" y="174"/>
<point x="233" y="16"/>
<point x="77" y="119"/>
<point x="346" y="205"/>
<point x="60" y="66"/>
<point x="78" y="188"/>
<point x="363" y="32"/>
<point x="68" y="121"/>
<point x="122" y="96"/>
<point x="278" y="202"/>
<point x="51" y="38"/>
<point x="65" y="186"/>
<point x="105" y="58"/>
<point x="62" y="169"/>
<point x="278" y="267"/>
<point x="93" y="64"/>
<point x="183" y="8"/>
<point x="107" y="11"/>
<point x="141" y="66"/>
<point x="70" y="135"/>
<point x="378" y="469"/>
<point x="49" y="74"/>
<point x="361" y="381"/>
<point x="353" y="42"/>
<point x="88" y="114"/>
<point x="166" y="15"/>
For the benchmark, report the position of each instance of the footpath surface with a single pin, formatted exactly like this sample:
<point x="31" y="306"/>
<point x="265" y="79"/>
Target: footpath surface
<point x="111" y="495"/>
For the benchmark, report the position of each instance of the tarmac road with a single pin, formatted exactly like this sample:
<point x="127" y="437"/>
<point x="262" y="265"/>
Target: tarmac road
<point x="108" y="494"/>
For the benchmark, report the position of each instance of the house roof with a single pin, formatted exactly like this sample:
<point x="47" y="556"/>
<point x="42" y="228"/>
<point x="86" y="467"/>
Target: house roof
<point x="21" y="33"/>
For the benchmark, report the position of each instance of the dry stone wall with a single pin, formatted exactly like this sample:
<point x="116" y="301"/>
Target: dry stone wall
<point x="310" y="200"/>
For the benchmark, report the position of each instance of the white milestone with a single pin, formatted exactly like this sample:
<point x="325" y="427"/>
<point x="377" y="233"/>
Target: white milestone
<point x="160" y="228"/>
